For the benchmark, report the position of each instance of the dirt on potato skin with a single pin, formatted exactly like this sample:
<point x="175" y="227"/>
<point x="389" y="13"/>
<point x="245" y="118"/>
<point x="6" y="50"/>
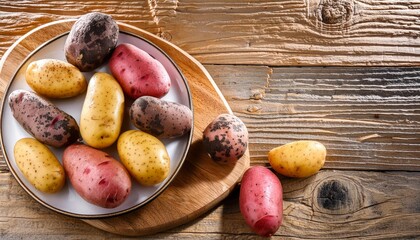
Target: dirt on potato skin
<point x="91" y="40"/>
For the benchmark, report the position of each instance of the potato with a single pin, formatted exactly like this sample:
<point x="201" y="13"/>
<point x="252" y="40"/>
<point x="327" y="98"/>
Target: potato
<point x="261" y="200"/>
<point x="55" y="78"/>
<point x="102" y="111"/>
<point x="139" y="73"/>
<point x="42" y="119"/>
<point x="298" y="159"/>
<point x="91" y="40"/>
<point x="144" y="156"/>
<point x="96" y="176"/>
<point x="39" y="165"/>
<point x="162" y="119"/>
<point x="226" y="139"/>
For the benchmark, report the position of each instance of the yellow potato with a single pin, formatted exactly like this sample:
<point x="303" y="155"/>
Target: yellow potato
<point x="298" y="159"/>
<point x="55" y="78"/>
<point x="102" y="111"/>
<point x="144" y="156"/>
<point x="39" y="165"/>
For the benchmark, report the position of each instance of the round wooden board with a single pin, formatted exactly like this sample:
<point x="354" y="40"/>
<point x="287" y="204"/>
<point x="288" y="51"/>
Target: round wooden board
<point x="201" y="183"/>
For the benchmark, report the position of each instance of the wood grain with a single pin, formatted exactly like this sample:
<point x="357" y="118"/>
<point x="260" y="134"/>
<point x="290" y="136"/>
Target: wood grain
<point x="348" y="204"/>
<point x="275" y="33"/>
<point x="298" y="32"/>
<point x="368" y="118"/>
<point x="330" y="205"/>
<point x="18" y="18"/>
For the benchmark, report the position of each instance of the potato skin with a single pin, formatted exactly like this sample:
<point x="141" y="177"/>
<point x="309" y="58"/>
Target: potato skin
<point x="144" y="156"/>
<point x="298" y="159"/>
<point x="91" y="40"/>
<point x="55" y="78"/>
<point x="96" y="176"/>
<point x="162" y="119"/>
<point x="139" y="73"/>
<point x="261" y="200"/>
<point x="42" y="119"/>
<point x="226" y="139"/>
<point x="102" y="111"/>
<point x="39" y="165"/>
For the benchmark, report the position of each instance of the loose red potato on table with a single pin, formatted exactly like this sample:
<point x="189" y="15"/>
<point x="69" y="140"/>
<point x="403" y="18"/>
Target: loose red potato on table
<point x="261" y="200"/>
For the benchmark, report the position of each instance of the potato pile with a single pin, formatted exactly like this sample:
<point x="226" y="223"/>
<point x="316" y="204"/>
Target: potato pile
<point x="96" y="176"/>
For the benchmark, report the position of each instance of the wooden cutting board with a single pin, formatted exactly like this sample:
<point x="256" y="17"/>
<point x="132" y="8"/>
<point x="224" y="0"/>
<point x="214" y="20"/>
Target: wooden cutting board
<point x="201" y="184"/>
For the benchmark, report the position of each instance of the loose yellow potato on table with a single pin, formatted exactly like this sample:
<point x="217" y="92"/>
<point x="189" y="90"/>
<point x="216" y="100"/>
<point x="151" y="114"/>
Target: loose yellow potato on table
<point x="144" y="156"/>
<point x="55" y="78"/>
<point x="298" y="159"/>
<point x="39" y="165"/>
<point x="102" y="111"/>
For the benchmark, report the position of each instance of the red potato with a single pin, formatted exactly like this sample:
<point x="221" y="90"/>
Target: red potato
<point x="261" y="200"/>
<point x="138" y="73"/>
<point x="96" y="176"/>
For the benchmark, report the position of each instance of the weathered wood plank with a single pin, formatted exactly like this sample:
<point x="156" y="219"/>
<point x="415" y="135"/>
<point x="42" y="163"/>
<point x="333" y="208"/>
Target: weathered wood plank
<point x="351" y="204"/>
<point x="296" y="32"/>
<point x="280" y="33"/>
<point x="344" y="204"/>
<point x="368" y="118"/>
<point x="329" y="205"/>
<point x="19" y="17"/>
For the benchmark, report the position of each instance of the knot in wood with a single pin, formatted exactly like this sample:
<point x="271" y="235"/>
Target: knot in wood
<point x="333" y="195"/>
<point x="338" y="195"/>
<point x="335" y="11"/>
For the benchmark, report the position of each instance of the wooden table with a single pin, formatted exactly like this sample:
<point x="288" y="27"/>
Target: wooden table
<point x="343" y="72"/>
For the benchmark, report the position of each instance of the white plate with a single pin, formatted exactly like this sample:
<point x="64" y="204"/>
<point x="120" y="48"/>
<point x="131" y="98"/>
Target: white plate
<point x="67" y="201"/>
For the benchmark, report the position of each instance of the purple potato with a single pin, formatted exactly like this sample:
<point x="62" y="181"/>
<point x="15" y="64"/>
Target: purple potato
<point x="42" y="119"/>
<point x="226" y="139"/>
<point x="91" y="40"/>
<point x="160" y="118"/>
